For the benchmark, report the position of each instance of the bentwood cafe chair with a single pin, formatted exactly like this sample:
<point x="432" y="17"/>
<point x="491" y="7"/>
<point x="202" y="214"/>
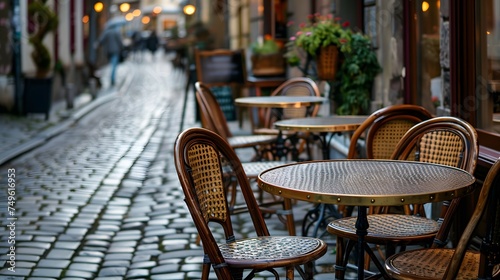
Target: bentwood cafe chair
<point x="199" y="158"/>
<point x="460" y="263"/>
<point x="441" y="140"/>
<point x="212" y="118"/>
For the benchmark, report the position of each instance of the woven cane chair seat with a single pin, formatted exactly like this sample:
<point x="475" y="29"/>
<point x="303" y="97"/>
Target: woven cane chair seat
<point x="460" y="263"/>
<point x="247" y="141"/>
<point x="252" y="169"/>
<point x="432" y="264"/>
<point x="289" y="250"/>
<point x="394" y="227"/>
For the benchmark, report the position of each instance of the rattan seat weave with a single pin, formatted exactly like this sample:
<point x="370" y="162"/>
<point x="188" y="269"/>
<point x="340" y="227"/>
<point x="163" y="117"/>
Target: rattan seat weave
<point x="269" y="248"/>
<point x="247" y="141"/>
<point x="461" y="262"/>
<point x="432" y="264"/>
<point x="252" y="169"/>
<point x="395" y="227"/>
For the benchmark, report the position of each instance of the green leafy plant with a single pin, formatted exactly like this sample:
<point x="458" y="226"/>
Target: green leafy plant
<point x="44" y="20"/>
<point x="269" y="46"/>
<point x="320" y="31"/>
<point x="355" y="78"/>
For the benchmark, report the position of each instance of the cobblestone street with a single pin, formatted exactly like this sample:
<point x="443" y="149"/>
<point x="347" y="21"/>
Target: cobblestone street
<point x="102" y="199"/>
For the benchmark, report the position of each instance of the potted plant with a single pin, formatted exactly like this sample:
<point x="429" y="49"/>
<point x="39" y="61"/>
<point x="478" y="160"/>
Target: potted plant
<point x="356" y="76"/>
<point x="267" y="58"/>
<point x="322" y="39"/>
<point x="38" y="88"/>
<point x="354" y="69"/>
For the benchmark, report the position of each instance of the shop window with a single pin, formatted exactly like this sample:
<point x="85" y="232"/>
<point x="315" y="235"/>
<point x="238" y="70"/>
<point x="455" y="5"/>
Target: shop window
<point x="488" y="65"/>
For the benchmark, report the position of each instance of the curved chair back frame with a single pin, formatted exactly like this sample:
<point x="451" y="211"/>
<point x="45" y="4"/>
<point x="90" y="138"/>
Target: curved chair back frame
<point x="297" y="86"/>
<point x="384" y="128"/>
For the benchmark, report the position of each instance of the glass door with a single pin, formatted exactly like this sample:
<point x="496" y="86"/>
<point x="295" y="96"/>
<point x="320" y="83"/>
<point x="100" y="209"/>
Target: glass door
<point x="488" y="65"/>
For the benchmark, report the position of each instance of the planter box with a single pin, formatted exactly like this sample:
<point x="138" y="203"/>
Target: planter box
<point x="268" y="65"/>
<point x="37" y="97"/>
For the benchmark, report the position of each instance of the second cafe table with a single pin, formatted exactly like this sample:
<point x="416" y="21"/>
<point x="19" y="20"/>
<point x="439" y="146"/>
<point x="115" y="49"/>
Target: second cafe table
<point x="365" y="183"/>
<point x="322" y="125"/>
<point x="279" y="102"/>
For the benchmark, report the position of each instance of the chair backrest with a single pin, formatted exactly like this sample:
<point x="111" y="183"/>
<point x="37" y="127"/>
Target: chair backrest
<point x="487" y="209"/>
<point x="200" y="155"/>
<point x="441" y="140"/>
<point x="211" y="115"/>
<point x="297" y="86"/>
<point x="384" y="128"/>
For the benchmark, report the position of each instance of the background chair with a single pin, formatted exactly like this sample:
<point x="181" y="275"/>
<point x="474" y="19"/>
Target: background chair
<point x="213" y="119"/>
<point x="297" y="86"/>
<point x="376" y="137"/>
<point x="199" y="155"/>
<point x="383" y="129"/>
<point x="442" y="140"/>
<point x="440" y="263"/>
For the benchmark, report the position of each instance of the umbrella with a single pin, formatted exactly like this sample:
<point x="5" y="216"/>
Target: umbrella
<point x="115" y="22"/>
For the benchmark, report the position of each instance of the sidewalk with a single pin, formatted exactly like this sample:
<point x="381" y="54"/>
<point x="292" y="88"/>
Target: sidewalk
<point x="24" y="133"/>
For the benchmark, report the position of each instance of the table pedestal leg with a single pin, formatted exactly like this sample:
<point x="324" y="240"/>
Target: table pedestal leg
<point x="361" y="231"/>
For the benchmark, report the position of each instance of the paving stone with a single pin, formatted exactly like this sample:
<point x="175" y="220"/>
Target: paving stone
<point x="165" y="268"/>
<point x="79" y="274"/>
<point x="97" y="243"/>
<point x="141" y="258"/>
<point x="30" y="251"/>
<point x="89" y="267"/>
<point x="137" y="273"/>
<point x="112" y="250"/>
<point x="112" y="271"/>
<point x="48" y="239"/>
<point x="18" y="273"/>
<point x="170" y="276"/>
<point x="118" y="256"/>
<point x="47" y="272"/>
<point x="67" y="245"/>
<point x="53" y="263"/>
<point x="60" y="254"/>
<point x="143" y="264"/>
<point x="41" y="245"/>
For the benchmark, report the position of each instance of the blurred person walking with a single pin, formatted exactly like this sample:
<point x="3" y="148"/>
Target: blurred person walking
<point x="111" y="41"/>
<point x="152" y="42"/>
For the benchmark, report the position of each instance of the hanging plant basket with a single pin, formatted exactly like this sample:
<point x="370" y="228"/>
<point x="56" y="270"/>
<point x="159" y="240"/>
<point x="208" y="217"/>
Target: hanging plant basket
<point x="327" y="62"/>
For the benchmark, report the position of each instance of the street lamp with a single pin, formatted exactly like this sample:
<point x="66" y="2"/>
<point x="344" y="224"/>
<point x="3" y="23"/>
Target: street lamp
<point x="189" y="9"/>
<point x="98" y="7"/>
<point x="124" y="7"/>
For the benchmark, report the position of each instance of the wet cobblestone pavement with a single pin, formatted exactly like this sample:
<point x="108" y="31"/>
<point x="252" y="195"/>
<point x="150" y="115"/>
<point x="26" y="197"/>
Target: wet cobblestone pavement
<point x="101" y="200"/>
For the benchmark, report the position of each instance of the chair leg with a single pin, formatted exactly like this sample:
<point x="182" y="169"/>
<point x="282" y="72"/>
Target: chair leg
<point x="308" y="270"/>
<point x="205" y="271"/>
<point x="340" y="267"/>
<point x="290" y="221"/>
<point x="290" y="272"/>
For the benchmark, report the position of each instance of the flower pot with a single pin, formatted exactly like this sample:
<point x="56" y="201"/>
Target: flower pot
<point x="268" y="64"/>
<point x="37" y="95"/>
<point x="327" y="63"/>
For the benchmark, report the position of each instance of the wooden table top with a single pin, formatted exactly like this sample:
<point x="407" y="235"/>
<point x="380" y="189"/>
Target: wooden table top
<point x="322" y="124"/>
<point x="279" y="101"/>
<point x="367" y="182"/>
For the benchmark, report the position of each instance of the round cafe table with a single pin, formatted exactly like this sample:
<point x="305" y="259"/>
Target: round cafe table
<point x="323" y="126"/>
<point x="365" y="183"/>
<point x="279" y="101"/>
